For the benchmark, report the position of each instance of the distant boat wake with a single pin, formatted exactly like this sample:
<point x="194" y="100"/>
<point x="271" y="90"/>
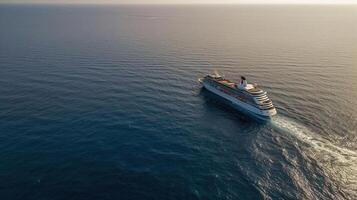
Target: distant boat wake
<point x="339" y="161"/>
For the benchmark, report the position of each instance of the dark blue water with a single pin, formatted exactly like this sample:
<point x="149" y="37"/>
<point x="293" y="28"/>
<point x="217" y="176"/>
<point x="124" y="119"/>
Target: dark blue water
<point x="102" y="102"/>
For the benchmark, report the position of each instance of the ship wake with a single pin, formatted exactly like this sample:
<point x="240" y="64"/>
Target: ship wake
<point x="339" y="162"/>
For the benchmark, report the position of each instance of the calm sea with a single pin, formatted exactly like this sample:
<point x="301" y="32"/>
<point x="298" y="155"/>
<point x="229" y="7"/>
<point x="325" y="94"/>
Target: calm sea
<point x="102" y="102"/>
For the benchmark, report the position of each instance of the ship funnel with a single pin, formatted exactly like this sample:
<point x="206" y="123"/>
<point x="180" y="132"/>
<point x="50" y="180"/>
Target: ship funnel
<point x="243" y="81"/>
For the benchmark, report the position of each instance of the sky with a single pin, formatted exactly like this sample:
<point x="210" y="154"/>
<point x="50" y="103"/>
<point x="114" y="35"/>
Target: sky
<point x="184" y="1"/>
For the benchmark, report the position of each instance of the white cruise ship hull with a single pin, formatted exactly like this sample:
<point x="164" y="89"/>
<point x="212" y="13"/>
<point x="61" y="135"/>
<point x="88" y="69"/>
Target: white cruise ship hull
<point x="242" y="106"/>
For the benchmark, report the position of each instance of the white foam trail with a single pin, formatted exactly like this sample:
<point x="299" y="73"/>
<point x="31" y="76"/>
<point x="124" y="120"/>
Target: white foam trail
<point x="339" y="161"/>
<point x="304" y="134"/>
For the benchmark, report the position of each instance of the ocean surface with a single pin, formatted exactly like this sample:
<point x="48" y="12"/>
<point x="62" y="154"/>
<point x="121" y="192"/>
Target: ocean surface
<point x="102" y="102"/>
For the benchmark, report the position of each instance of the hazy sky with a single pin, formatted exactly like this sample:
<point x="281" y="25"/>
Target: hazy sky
<point x="184" y="1"/>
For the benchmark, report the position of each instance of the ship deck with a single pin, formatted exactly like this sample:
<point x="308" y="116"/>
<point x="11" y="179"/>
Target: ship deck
<point x="254" y="90"/>
<point x="233" y="85"/>
<point x="227" y="83"/>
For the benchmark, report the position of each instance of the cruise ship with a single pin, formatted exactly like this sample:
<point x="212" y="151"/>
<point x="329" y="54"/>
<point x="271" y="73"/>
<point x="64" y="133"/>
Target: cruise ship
<point x="243" y="96"/>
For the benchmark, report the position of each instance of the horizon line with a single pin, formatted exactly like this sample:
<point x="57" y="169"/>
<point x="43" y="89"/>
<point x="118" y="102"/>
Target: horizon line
<point x="138" y="4"/>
